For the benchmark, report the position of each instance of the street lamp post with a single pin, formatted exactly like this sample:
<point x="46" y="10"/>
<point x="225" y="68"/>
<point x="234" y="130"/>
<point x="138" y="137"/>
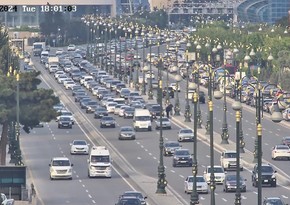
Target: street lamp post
<point x="197" y="81"/>
<point x="125" y="57"/>
<point x="167" y="101"/>
<point x="194" y="199"/>
<point x="237" y="107"/>
<point x="150" y="91"/>
<point x="106" y="48"/>
<point x="225" y="133"/>
<point x="187" y="113"/>
<point x="178" y="78"/>
<point x="137" y="61"/>
<point x="161" y="183"/>
<point x="143" y="63"/>
<point x="115" y="55"/>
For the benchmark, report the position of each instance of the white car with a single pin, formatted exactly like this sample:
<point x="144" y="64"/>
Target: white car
<point x="61" y="78"/>
<point x="122" y="109"/>
<point x="185" y="134"/>
<point x="166" y="124"/>
<point x="65" y="113"/>
<point x="174" y="87"/>
<point x="57" y="73"/>
<point x="201" y="185"/>
<point x="117" y="108"/>
<point x="219" y="174"/>
<point x="111" y="107"/>
<point x="79" y="147"/>
<point x="280" y="152"/>
<point x="229" y="161"/>
<point x="69" y="84"/>
<point x="60" y="168"/>
<point x="150" y="75"/>
<point x="71" y="47"/>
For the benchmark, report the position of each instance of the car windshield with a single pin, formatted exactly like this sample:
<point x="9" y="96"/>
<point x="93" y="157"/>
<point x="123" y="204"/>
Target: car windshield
<point x="266" y="169"/>
<point x="101" y="109"/>
<point x="136" y="194"/>
<point x="216" y="170"/>
<point x="79" y="142"/>
<point x="156" y="108"/>
<point x="274" y="202"/>
<point x="60" y="163"/>
<point x="186" y="131"/>
<point x="100" y="158"/>
<point x="107" y="118"/>
<point x="129" y="109"/>
<point x="282" y="147"/>
<point x="233" y="178"/>
<point x="65" y="119"/>
<point x="230" y="155"/>
<point x="172" y="144"/>
<point x="143" y="118"/>
<point x="198" y="179"/>
<point x="126" y="129"/>
<point x="182" y="152"/>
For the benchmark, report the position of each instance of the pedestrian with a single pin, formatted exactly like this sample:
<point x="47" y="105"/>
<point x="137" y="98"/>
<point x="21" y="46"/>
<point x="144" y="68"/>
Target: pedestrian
<point x="168" y="109"/>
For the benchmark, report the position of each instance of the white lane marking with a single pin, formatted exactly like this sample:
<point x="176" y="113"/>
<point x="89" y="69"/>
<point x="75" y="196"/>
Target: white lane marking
<point x="154" y="158"/>
<point x="215" y="194"/>
<point x="181" y="176"/>
<point x="54" y="138"/>
<point x="285" y="197"/>
<point x="146" y="150"/>
<point x="250" y="129"/>
<point x="277" y="135"/>
<point x="77" y="176"/>
<point x="139" y="158"/>
<point x="87" y="191"/>
<point x="207" y="156"/>
<point x="94" y="201"/>
<point x="166" y="138"/>
<point x="83" y="185"/>
<point x="279" y="130"/>
<point x="201" y="198"/>
<point x="150" y="153"/>
<point x="80" y="181"/>
<point x="203" y="166"/>
<point x="266" y="144"/>
<point x="253" y="137"/>
<point x="247" y="134"/>
<point x="243" y="197"/>
<point x="270" y="132"/>
<point x="224" y="199"/>
<point x="255" y="192"/>
<point x="172" y="171"/>
<point x="142" y="146"/>
<point x="89" y="196"/>
<point x="138" y="142"/>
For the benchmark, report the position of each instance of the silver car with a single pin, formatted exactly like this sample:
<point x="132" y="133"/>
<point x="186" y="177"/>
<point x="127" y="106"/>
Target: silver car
<point x="127" y="133"/>
<point x="166" y="124"/>
<point x="185" y="134"/>
<point x="170" y="147"/>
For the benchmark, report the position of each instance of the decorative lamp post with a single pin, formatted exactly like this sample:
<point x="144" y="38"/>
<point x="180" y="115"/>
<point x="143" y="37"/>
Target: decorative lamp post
<point x="125" y="56"/>
<point x="217" y="95"/>
<point x="106" y="47"/>
<point x="143" y="63"/>
<point x="178" y="78"/>
<point x="120" y="56"/>
<point x="225" y="133"/>
<point x="220" y="55"/>
<point x="187" y="113"/>
<point x="145" y="69"/>
<point x="131" y="57"/>
<point x="237" y="106"/>
<point x="161" y="183"/>
<point x="167" y="101"/>
<point x="115" y="55"/>
<point x="137" y="61"/>
<point x="150" y="91"/>
<point x="197" y="81"/>
<point x="194" y="195"/>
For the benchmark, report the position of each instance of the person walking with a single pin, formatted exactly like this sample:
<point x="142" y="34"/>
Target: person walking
<point x="168" y="109"/>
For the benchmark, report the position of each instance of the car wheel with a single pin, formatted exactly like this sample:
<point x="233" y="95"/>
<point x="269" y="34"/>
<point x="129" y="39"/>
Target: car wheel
<point x="242" y="169"/>
<point x="169" y="128"/>
<point x="174" y="164"/>
<point x="245" y="189"/>
<point x="273" y="184"/>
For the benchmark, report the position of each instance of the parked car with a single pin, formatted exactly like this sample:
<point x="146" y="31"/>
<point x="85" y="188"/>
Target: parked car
<point x="170" y="92"/>
<point x="230" y="183"/>
<point x="201" y="185"/>
<point x="286" y="114"/>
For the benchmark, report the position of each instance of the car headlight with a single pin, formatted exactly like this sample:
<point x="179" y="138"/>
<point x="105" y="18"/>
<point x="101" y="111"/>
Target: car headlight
<point x="108" y="168"/>
<point x="69" y="170"/>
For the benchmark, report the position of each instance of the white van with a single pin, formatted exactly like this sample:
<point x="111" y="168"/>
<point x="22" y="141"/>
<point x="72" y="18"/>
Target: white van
<point x="142" y="120"/>
<point x="99" y="162"/>
<point x="119" y="100"/>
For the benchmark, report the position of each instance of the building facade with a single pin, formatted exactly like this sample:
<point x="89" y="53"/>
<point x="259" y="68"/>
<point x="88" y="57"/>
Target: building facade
<point x="262" y="11"/>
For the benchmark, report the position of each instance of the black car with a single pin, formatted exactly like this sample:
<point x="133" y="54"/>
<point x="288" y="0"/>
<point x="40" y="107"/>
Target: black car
<point x="64" y="122"/>
<point x="128" y="200"/>
<point x="135" y="194"/>
<point x="107" y="121"/>
<point x="169" y="90"/>
<point x="100" y="112"/>
<point x="182" y="157"/>
<point x="155" y="110"/>
<point x="268" y="175"/>
<point x="84" y="101"/>
<point x="79" y="96"/>
<point x="230" y="183"/>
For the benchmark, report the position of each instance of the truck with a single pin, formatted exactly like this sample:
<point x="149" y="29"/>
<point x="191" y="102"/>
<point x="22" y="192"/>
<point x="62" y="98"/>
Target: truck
<point x="38" y="47"/>
<point x="142" y="120"/>
<point x="53" y="64"/>
<point x="99" y="162"/>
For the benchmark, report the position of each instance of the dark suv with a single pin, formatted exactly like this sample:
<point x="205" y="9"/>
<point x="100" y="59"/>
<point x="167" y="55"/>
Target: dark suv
<point x="64" y="122"/>
<point x="267" y="175"/>
<point x="128" y="200"/>
<point x="182" y="157"/>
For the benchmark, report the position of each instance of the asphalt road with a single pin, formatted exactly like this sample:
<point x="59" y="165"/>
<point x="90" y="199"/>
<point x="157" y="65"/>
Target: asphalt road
<point x="143" y="155"/>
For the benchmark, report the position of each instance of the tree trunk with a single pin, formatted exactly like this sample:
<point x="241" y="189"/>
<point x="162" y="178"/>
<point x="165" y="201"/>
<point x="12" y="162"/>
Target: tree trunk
<point x="3" y="143"/>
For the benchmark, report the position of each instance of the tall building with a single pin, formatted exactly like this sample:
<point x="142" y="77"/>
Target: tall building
<point x="129" y="7"/>
<point x="262" y="11"/>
